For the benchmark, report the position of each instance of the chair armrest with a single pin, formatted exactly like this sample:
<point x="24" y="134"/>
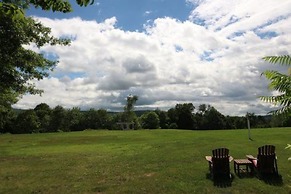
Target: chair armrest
<point x="230" y="158"/>
<point x="251" y="157"/>
<point x="208" y="158"/>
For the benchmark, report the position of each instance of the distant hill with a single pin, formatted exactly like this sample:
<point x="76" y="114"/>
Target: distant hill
<point x="137" y="112"/>
<point x="18" y="111"/>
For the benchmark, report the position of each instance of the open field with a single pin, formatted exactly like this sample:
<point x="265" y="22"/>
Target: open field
<point x="142" y="161"/>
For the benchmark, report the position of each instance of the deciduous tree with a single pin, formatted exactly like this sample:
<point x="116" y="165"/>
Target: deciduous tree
<point x="150" y="120"/>
<point x="129" y="115"/>
<point x="43" y="112"/>
<point x="58" y="119"/>
<point x="163" y="117"/>
<point x="185" y="117"/>
<point x="19" y="65"/>
<point x="26" y="122"/>
<point x="73" y="119"/>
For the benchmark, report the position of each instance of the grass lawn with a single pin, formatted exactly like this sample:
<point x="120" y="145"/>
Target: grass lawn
<point x="142" y="161"/>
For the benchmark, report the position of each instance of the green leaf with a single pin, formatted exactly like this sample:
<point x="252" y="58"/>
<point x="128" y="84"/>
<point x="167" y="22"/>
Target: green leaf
<point x="283" y="60"/>
<point x="281" y="83"/>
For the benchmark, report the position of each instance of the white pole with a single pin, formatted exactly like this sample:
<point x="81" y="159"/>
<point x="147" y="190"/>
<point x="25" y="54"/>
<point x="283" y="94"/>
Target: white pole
<point x="249" y="127"/>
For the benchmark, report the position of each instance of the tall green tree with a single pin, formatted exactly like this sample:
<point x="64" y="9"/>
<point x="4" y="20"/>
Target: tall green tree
<point x="129" y="114"/>
<point x="201" y="120"/>
<point x="185" y="117"/>
<point x="7" y="121"/>
<point x="90" y="119"/>
<point x="43" y="112"/>
<point x="97" y="119"/>
<point x="58" y="119"/>
<point x="19" y="65"/>
<point x="73" y="119"/>
<point x="104" y="120"/>
<point x="129" y="108"/>
<point x="213" y="119"/>
<point x="281" y="83"/>
<point x="163" y="117"/>
<point x="130" y="102"/>
<point x="173" y="117"/>
<point x="150" y="120"/>
<point x="26" y="122"/>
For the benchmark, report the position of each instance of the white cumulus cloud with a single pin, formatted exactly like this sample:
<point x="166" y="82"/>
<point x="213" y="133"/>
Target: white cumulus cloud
<point x="214" y="57"/>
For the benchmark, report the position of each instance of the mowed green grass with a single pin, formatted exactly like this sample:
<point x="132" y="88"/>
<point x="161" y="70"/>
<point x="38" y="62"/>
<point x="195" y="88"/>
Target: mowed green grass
<point x="141" y="161"/>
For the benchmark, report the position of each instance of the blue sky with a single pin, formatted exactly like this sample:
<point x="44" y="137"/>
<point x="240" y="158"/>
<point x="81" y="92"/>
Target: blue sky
<point x="131" y="14"/>
<point x="166" y="52"/>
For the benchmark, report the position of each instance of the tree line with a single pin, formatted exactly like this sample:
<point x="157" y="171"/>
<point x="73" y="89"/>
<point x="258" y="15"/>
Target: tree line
<point x="19" y="66"/>
<point x="43" y="119"/>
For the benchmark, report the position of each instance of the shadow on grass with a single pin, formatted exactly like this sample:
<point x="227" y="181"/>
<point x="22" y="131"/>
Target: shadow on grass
<point x="242" y="175"/>
<point x="221" y="181"/>
<point x="272" y="179"/>
<point x="99" y="189"/>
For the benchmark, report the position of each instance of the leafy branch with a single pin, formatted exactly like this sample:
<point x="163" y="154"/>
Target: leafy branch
<point x="279" y="82"/>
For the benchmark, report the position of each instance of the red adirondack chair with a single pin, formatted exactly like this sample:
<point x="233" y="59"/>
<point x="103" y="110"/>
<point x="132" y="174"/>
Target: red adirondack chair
<point x="266" y="161"/>
<point x="219" y="163"/>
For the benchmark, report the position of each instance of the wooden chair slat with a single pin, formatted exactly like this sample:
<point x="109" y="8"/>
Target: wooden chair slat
<point x="266" y="160"/>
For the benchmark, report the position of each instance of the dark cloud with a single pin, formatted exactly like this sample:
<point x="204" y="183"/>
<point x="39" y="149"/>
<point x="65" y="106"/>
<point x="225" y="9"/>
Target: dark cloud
<point x="138" y="65"/>
<point x="115" y="81"/>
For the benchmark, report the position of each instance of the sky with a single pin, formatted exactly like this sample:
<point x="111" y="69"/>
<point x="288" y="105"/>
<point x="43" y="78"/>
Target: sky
<point x="166" y="52"/>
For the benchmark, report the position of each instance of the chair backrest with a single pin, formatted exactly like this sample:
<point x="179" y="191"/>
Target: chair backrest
<point x="220" y="161"/>
<point x="266" y="159"/>
<point x="266" y="150"/>
<point x="220" y="153"/>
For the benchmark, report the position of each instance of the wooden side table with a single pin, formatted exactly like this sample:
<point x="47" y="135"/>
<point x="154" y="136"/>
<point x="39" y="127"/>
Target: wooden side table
<point x="238" y="163"/>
